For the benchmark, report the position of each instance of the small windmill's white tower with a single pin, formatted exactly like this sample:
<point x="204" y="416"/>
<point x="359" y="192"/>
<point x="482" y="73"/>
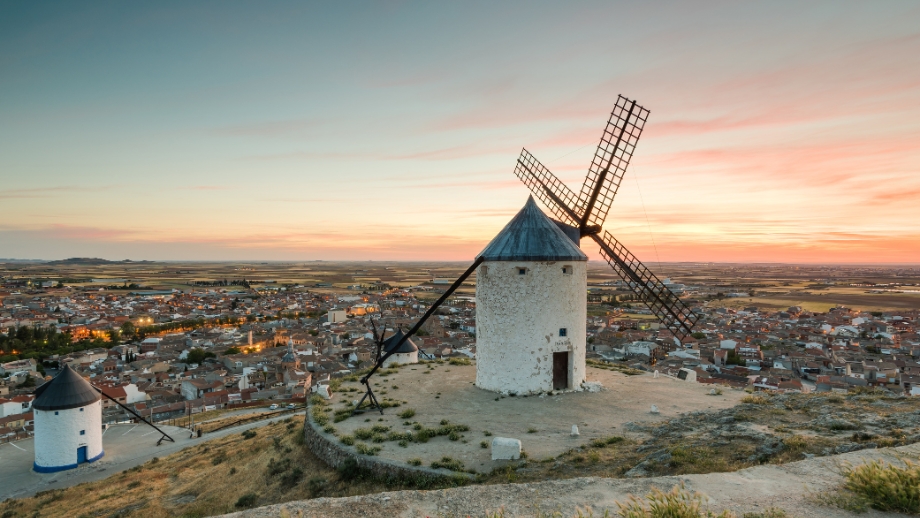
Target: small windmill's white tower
<point x="68" y="423"/>
<point x="405" y="355"/>
<point x="531" y="306"/>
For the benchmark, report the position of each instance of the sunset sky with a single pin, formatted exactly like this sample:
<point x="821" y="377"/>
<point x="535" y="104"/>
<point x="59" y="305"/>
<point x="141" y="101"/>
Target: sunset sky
<point x="780" y="132"/>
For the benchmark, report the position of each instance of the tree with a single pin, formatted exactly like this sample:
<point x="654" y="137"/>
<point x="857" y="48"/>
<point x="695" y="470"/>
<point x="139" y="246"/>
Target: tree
<point x="698" y="335"/>
<point x="233" y="350"/>
<point x="128" y="330"/>
<point x="198" y="355"/>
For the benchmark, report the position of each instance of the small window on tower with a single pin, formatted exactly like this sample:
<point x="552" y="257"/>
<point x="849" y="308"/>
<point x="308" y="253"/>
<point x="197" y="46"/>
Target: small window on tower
<point x="567" y="270"/>
<point x="81" y="409"/>
<point x="55" y="413"/>
<point x="522" y="271"/>
<point x="82" y="432"/>
<point x="563" y="332"/>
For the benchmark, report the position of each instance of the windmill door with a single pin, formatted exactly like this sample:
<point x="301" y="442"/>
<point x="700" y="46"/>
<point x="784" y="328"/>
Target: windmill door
<point x="81" y="454"/>
<point x="560" y="371"/>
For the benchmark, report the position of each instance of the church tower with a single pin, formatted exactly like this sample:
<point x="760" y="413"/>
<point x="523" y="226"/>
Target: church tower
<point x="531" y="308"/>
<point x="290" y="360"/>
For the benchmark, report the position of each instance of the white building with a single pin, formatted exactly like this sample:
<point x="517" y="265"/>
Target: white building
<point x="531" y="308"/>
<point x="406" y="354"/>
<point x="68" y="423"/>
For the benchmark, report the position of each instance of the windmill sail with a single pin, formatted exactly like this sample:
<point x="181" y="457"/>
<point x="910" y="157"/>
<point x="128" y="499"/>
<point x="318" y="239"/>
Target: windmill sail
<point x="667" y="306"/>
<point x="548" y="189"/>
<point x="610" y="161"/>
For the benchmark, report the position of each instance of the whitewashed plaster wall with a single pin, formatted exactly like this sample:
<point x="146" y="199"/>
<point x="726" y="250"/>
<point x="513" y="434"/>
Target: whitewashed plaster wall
<point x="57" y="437"/>
<point x="518" y="318"/>
<point x="402" y="359"/>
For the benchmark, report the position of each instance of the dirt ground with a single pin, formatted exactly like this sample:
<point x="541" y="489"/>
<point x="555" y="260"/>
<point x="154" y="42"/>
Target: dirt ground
<point x="543" y="423"/>
<point x="790" y="487"/>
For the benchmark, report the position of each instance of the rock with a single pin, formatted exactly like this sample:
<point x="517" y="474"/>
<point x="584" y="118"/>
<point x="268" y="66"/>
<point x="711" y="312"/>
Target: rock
<point x="638" y="471"/>
<point x="504" y="448"/>
<point x="712" y="392"/>
<point x="655" y="409"/>
<point x="592" y="386"/>
<point x="324" y="392"/>
<point x="575" y="430"/>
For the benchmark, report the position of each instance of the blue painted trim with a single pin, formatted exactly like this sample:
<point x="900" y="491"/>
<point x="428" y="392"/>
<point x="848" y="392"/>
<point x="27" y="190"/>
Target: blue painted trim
<point x="55" y="469"/>
<point x="52" y="469"/>
<point x="97" y="457"/>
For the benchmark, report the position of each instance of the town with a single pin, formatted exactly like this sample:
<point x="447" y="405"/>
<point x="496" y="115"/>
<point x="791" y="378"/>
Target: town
<point x="172" y="349"/>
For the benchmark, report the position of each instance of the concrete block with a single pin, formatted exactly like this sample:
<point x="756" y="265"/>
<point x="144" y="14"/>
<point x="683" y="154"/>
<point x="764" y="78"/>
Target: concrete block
<point x="575" y="430"/>
<point x="655" y="409"/>
<point x="504" y="448"/>
<point x="323" y="391"/>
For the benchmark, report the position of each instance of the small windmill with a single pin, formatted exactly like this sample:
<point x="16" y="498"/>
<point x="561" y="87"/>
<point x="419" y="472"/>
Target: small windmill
<point x="583" y="215"/>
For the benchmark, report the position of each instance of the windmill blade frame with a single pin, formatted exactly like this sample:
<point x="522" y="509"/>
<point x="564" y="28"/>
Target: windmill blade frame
<point x="615" y="150"/>
<point x="544" y="185"/>
<point x="663" y="302"/>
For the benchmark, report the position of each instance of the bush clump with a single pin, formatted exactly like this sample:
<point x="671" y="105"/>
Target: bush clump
<point x="248" y="434"/>
<point x="886" y="487"/>
<point x="460" y="361"/>
<point x="247" y="500"/>
<point x="407" y="413"/>
<point x="448" y="463"/>
<point x="677" y="503"/>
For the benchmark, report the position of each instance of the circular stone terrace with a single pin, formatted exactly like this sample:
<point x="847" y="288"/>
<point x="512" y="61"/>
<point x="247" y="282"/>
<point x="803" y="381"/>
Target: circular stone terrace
<point x="441" y="397"/>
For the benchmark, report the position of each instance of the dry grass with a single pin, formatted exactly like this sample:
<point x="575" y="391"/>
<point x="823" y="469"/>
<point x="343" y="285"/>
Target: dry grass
<point x="205" y="480"/>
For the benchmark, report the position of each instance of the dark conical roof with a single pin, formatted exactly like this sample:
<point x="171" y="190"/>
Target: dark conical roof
<point x="531" y="236"/>
<point x="390" y="343"/>
<point x="66" y="390"/>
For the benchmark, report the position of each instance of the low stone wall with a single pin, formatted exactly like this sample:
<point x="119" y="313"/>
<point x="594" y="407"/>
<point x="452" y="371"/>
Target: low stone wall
<point x="332" y="452"/>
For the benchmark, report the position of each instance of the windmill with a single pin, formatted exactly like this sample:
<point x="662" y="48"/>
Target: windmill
<point x="534" y="252"/>
<point x="583" y="215"/>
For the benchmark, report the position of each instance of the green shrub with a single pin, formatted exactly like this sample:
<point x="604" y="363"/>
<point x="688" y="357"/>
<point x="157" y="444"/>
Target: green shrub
<point x="379" y="428"/>
<point x="248" y="434"/>
<point x="886" y="487"/>
<point x="364" y="449"/>
<point x="247" y="500"/>
<point x="364" y="433"/>
<point x="292" y="478"/>
<point x="349" y="470"/>
<point x="453" y="435"/>
<point x="460" y="361"/>
<point x="677" y="503"/>
<point x="407" y="413"/>
<point x="415" y="462"/>
<point x="347" y="440"/>
<point x="276" y="467"/>
<point x="448" y="463"/>
<point x="316" y="485"/>
<point x="605" y="441"/>
<point x="484" y="444"/>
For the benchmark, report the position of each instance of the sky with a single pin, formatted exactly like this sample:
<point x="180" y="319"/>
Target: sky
<point x="779" y="131"/>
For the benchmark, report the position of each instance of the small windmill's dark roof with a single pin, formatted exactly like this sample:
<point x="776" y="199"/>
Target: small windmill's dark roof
<point x="66" y="390"/>
<point x="532" y="236"/>
<point x="406" y="347"/>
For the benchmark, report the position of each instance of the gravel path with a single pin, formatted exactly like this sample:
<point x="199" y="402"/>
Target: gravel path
<point x="750" y="490"/>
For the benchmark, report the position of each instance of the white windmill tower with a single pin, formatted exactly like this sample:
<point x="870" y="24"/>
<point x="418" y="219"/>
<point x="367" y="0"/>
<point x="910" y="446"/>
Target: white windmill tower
<point x="531" y="308"/>
<point x="68" y="423"/>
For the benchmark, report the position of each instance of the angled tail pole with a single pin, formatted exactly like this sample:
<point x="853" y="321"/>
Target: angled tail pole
<point x="135" y="414"/>
<point x="369" y="393"/>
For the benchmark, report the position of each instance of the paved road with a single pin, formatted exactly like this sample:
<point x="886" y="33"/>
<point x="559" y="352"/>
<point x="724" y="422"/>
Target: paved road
<point x="125" y="445"/>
